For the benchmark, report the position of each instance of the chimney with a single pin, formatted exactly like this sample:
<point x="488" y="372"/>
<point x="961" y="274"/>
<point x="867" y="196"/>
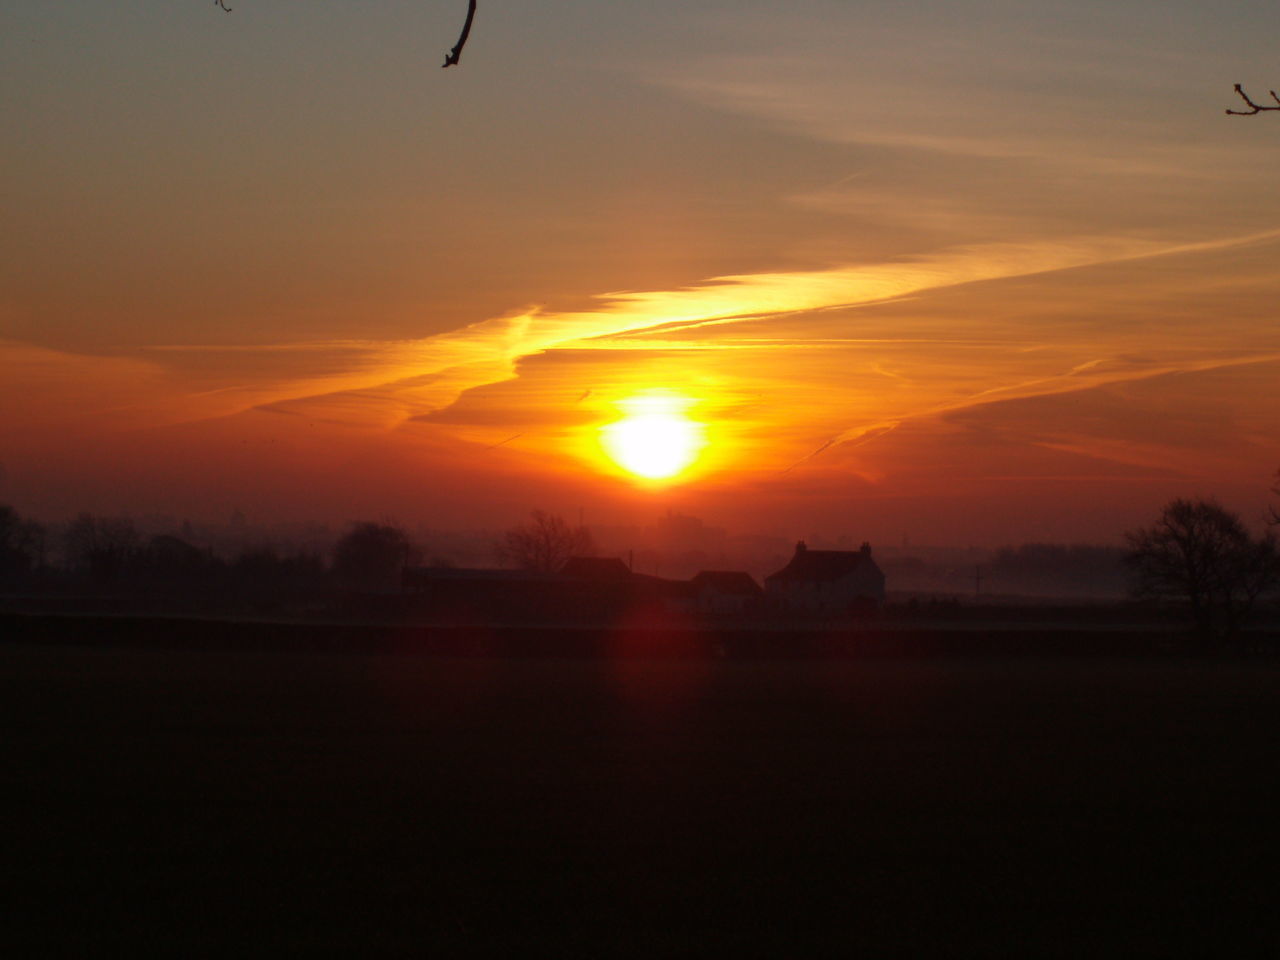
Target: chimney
<point x="800" y="547"/>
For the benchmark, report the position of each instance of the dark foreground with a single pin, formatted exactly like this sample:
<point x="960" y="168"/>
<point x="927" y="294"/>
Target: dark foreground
<point x="232" y="803"/>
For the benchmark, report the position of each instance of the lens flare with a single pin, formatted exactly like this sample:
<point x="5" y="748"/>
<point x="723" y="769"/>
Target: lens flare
<point x="655" y="439"/>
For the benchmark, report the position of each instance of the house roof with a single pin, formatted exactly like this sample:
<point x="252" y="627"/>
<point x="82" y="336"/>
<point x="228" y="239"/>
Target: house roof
<point x="661" y="586"/>
<point x="814" y="565"/>
<point x="727" y="581"/>
<point x="596" y="568"/>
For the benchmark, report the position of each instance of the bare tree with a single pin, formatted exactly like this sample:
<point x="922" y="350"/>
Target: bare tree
<point x="544" y="543"/>
<point x="1199" y="554"/>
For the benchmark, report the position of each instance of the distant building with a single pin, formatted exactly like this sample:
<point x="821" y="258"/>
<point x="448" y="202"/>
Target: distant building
<point x="827" y="581"/>
<point x="586" y="589"/>
<point x="673" y="596"/>
<point x="596" y="568"/>
<point x="725" y="591"/>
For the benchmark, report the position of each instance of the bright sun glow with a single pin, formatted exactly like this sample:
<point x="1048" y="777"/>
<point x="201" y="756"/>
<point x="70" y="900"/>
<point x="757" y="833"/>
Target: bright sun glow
<point x="655" y="439"/>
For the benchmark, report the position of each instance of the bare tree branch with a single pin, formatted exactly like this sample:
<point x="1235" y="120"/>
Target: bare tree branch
<point x="453" y="55"/>
<point x="1253" y="107"/>
<point x="456" y="52"/>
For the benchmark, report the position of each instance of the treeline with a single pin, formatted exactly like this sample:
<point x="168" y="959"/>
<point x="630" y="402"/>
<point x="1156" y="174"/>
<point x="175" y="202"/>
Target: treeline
<point x="1072" y="568"/>
<point x="110" y="556"/>
<point x="1031" y="569"/>
<point x="22" y="546"/>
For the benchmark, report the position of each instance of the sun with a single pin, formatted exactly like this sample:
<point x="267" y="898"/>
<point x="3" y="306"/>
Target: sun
<point x="655" y="439"/>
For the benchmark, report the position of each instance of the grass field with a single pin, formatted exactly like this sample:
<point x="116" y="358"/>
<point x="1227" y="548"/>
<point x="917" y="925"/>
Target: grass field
<point x="233" y="803"/>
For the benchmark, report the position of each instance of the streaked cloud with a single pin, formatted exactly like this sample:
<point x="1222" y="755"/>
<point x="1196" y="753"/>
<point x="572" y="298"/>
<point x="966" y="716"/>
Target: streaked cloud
<point x="429" y="373"/>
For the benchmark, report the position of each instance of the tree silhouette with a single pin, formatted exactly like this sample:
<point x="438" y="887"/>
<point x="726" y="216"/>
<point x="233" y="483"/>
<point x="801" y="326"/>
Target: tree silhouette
<point x="372" y="556"/>
<point x="1199" y="554"/>
<point x="171" y="558"/>
<point x="543" y="544"/>
<point x="103" y="547"/>
<point x="21" y="544"/>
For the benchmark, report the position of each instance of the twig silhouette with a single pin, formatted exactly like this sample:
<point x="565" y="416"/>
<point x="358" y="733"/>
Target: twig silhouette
<point x="1253" y="107"/>
<point x="456" y="52"/>
<point x="453" y="55"/>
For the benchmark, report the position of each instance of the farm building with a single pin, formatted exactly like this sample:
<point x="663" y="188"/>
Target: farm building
<point x="826" y="581"/>
<point x="726" y="591"/>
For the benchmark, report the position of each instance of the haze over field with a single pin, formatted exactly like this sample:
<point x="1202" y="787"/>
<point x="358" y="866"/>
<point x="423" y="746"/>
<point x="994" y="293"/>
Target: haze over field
<point x="970" y="272"/>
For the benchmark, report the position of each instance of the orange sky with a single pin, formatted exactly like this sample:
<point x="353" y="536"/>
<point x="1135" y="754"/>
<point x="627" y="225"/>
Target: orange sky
<point x="970" y="273"/>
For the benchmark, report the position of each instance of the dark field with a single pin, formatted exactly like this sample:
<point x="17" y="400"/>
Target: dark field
<point x="235" y="803"/>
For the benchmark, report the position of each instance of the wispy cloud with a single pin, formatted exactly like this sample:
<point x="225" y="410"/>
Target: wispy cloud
<point x="428" y="373"/>
<point x="413" y="377"/>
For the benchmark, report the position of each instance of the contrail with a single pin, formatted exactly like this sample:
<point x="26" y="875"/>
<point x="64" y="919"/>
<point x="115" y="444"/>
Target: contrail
<point x="812" y="455"/>
<point x="494" y="446"/>
<point x="858" y="434"/>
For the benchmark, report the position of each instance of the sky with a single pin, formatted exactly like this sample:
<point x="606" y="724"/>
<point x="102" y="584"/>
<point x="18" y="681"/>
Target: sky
<point x="962" y="272"/>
